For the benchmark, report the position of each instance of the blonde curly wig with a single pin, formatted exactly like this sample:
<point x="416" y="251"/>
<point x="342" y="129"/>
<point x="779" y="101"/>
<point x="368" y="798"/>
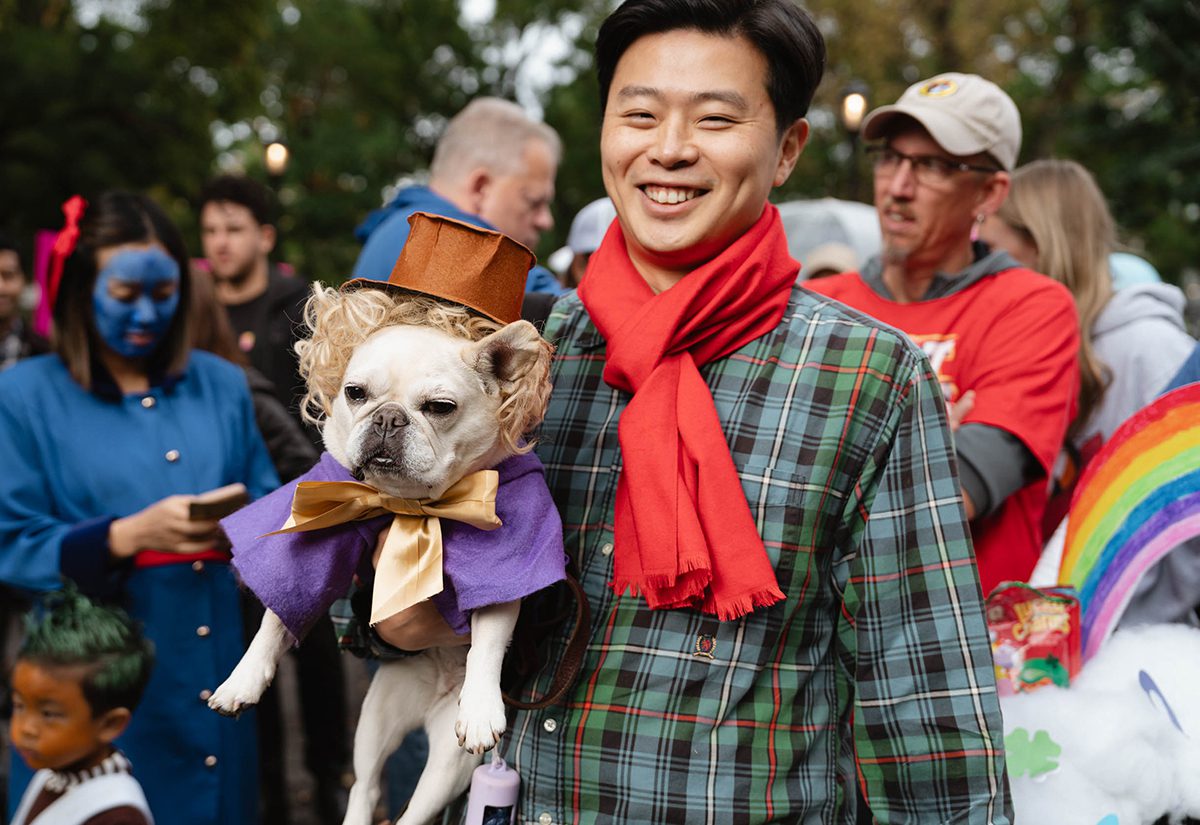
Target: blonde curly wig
<point x="339" y="321"/>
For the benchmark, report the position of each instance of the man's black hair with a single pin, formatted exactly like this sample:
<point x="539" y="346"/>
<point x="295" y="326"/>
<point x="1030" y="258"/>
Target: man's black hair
<point x="242" y="191"/>
<point x="7" y="245"/>
<point x="781" y="30"/>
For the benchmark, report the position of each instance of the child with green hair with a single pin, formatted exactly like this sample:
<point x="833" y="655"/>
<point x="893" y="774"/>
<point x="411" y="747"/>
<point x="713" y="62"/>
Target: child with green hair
<point x="78" y="676"/>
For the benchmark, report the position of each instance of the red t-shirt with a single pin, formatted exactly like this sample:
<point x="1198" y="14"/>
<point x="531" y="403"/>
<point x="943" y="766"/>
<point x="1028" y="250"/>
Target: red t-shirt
<point x="1012" y="337"/>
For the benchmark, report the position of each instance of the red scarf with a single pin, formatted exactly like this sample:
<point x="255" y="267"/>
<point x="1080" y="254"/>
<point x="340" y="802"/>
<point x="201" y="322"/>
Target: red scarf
<point x="685" y="536"/>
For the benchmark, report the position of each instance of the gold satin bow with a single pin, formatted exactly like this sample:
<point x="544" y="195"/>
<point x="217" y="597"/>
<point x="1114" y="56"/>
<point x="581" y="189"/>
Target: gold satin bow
<point x="410" y="565"/>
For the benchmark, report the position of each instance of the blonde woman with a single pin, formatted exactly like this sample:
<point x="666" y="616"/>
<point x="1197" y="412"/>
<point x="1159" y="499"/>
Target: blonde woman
<point x="1056" y="221"/>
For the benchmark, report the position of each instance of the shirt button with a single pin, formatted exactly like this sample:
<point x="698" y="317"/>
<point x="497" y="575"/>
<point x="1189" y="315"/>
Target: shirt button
<point x="198" y="566"/>
<point x="148" y="402"/>
<point x="544" y="818"/>
<point x="550" y="725"/>
<point x="172" y="456"/>
<point x="607" y="549"/>
<point x="203" y="630"/>
<point x="205" y="695"/>
<point x="210" y="761"/>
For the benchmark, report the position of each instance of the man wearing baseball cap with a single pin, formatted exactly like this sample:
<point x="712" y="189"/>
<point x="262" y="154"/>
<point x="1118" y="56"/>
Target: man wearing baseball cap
<point x="1001" y="338"/>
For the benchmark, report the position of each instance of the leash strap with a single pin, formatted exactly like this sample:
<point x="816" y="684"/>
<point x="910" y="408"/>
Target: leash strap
<point x="572" y="660"/>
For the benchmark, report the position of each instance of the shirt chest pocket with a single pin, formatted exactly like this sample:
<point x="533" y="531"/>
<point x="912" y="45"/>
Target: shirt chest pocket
<point x="794" y="516"/>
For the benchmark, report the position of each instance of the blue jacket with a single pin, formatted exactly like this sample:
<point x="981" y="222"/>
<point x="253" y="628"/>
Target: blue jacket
<point x="385" y="230"/>
<point x="1189" y="373"/>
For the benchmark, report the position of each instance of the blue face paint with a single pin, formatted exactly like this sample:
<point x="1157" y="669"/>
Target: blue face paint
<point x="134" y="300"/>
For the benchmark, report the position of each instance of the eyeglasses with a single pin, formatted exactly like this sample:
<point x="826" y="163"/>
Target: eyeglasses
<point x="929" y="170"/>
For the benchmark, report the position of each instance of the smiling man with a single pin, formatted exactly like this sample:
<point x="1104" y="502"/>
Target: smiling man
<point x="1002" y="339"/>
<point x="757" y="486"/>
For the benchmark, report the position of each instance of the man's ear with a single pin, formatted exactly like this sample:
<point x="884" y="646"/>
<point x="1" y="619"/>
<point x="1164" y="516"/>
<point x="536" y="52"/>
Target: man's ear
<point x="112" y="724"/>
<point x="266" y="238"/>
<point x="790" y="147"/>
<point x="993" y="193"/>
<point x="507" y="354"/>
<point x="475" y="187"/>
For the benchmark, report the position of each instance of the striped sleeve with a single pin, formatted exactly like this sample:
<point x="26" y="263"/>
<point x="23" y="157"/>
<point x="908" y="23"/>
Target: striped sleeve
<point x="928" y="736"/>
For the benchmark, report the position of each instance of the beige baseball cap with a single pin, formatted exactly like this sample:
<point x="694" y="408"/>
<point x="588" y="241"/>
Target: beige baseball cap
<point x="964" y="113"/>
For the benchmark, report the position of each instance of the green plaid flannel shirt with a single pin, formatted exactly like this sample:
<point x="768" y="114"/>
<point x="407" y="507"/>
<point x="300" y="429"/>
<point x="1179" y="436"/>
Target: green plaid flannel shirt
<point x="876" y="669"/>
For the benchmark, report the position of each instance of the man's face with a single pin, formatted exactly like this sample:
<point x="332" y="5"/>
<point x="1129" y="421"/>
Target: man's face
<point x="926" y="223"/>
<point x="12" y="282"/>
<point x="689" y="146"/>
<point x="518" y="204"/>
<point x="52" y="724"/>
<point x="234" y="242"/>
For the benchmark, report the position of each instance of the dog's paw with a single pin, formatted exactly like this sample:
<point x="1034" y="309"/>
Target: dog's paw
<point x="241" y="690"/>
<point x="481" y="721"/>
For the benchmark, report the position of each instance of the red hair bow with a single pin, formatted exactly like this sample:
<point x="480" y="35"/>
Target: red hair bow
<point x="64" y="244"/>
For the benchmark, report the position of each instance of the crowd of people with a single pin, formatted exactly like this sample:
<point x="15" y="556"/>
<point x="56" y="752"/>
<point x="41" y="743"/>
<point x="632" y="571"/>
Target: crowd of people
<point x="785" y="498"/>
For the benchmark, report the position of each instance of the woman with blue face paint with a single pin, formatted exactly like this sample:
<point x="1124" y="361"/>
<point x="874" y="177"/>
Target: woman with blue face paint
<point x="104" y="444"/>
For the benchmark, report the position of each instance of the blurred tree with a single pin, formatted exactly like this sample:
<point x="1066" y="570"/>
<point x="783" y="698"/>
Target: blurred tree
<point x="165" y="93"/>
<point x="97" y="104"/>
<point x="357" y="110"/>
<point x="1137" y="124"/>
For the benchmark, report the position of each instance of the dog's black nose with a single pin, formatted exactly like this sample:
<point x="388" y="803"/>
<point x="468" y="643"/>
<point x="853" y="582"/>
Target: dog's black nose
<point x="388" y="420"/>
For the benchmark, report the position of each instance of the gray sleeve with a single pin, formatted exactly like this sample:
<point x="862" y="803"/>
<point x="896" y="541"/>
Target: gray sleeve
<point x="1169" y="591"/>
<point x="992" y="465"/>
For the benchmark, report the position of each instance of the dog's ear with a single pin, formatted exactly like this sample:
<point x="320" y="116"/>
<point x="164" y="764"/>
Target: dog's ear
<point x="507" y="354"/>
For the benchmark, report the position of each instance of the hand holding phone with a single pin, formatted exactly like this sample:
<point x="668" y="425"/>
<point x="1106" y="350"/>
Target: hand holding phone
<point x="218" y="503"/>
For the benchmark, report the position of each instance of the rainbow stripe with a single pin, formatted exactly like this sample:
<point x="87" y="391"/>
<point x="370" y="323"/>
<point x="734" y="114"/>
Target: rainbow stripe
<point x="1138" y="499"/>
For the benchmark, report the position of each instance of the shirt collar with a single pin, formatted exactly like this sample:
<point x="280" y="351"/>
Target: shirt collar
<point x="115" y="762"/>
<point x="985" y="262"/>
<point x="105" y="386"/>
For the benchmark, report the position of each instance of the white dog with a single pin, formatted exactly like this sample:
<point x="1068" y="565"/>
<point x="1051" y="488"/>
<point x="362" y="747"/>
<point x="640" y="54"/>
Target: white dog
<point x="417" y="395"/>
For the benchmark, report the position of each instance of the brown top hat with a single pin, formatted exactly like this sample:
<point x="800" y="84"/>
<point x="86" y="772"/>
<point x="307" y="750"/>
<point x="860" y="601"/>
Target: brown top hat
<point x="480" y="269"/>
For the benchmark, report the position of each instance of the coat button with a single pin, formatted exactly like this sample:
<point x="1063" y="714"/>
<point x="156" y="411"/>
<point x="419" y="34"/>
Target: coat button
<point x="172" y="456"/>
<point x="148" y="402"/>
<point x="198" y="566"/>
<point x="203" y="630"/>
<point x="210" y="761"/>
<point x="544" y="818"/>
<point x="205" y="695"/>
<point x="550" y="725"/>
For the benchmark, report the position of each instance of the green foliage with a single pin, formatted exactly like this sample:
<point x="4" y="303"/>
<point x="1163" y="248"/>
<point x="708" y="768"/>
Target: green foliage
<point x="161" y="99"/>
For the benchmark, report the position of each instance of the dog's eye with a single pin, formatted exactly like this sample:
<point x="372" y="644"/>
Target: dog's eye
<point x="355" y="393"/>
<point x="438" y="407"/>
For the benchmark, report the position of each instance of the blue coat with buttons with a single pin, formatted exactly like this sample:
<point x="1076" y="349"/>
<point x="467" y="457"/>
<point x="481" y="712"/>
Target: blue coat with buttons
<point x="70" y="462"/>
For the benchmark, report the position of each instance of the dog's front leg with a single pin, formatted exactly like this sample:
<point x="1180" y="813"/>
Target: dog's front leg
<point x="254" y="672"/>
<point x="481" y="718"/>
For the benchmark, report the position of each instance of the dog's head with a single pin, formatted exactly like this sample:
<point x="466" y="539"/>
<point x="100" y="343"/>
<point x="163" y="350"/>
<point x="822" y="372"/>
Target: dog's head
<point x="412" y="394"/>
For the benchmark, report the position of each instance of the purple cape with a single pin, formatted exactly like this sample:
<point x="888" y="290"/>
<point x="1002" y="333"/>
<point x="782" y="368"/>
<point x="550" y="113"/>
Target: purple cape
<point x="299" y="575"/>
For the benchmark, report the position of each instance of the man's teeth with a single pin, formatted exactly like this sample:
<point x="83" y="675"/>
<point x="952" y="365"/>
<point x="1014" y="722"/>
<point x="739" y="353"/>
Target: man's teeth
<point x="661" y="194"/>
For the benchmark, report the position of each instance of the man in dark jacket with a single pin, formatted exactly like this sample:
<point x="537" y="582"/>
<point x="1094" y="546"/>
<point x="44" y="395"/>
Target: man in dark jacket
<point x="265" y="308"/>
